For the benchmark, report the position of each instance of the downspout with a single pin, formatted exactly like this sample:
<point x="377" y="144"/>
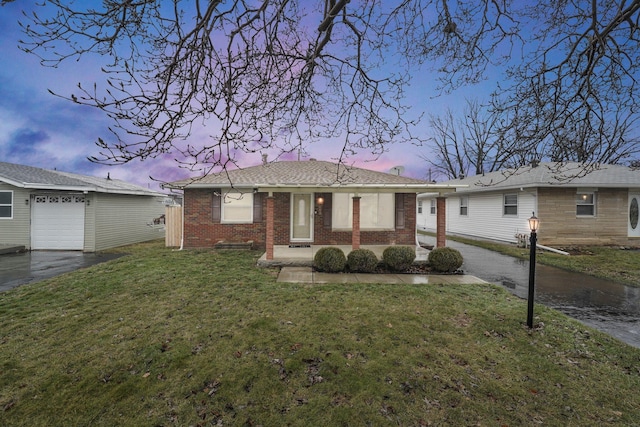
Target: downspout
<point x="416" y="225"/>
<point x="182" y="231"/>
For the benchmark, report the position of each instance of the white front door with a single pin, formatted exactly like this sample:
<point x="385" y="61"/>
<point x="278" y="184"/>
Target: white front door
<point x="57" y="221"/>
<point x="301" y="217"/>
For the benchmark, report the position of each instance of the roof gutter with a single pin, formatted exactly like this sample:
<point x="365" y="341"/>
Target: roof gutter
<point x="418" y="188"/>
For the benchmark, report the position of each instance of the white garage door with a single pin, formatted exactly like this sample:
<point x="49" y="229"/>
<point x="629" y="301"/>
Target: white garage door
<point x="57" y="222"/>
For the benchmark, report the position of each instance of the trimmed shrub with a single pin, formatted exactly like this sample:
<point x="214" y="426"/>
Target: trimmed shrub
<point x="330" y="259"/>
<point x="362" y="261"/>
<point x="445" y="260"/>
<point x="399" y="258"/>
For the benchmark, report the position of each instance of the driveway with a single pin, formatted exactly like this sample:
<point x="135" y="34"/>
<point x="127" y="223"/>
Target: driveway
<point x="610" y="307"/>
<point x="29" y="267"/>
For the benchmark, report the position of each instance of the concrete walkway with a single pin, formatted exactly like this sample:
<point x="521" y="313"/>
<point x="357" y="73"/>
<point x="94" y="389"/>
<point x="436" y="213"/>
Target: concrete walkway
<point x="307" y="275"/>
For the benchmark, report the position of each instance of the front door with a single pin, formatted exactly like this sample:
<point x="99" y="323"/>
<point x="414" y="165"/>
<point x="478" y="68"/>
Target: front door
<point x="301" y="217"/>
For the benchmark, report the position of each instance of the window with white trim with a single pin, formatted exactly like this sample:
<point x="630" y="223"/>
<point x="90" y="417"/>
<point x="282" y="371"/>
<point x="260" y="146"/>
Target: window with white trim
<point x="419" y="206"/>
<point x="377" y="211"/>
<point x="586" y="203"/>
<point x="432" y="207"/>
<point x="464" y="206"/>
<point x="237" y="208"/>
<point x="510" y="204"/>
<point x="6" y="204"/>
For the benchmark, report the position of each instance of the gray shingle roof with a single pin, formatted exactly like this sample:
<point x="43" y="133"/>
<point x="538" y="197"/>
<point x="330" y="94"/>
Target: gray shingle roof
<point x="310" y="173"/>
<point x="38" y="178"/>
<point x="553" y="174"/>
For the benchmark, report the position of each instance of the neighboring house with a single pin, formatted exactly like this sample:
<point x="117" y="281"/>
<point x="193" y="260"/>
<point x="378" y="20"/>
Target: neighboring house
<point x="576" y="204"/>
<point x="45" y="209"/>
<point x="301" y="203"/>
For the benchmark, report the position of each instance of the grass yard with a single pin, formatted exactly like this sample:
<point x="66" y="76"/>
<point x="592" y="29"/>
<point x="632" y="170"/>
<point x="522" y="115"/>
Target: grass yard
<point x="203" y="338"/>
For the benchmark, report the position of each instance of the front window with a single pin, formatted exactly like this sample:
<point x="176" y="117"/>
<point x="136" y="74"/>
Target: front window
<point x="432" y="208"/>
<point x="586" y="204"/>
<point x="419" y="206"/>
<point x="237" y="208"/>
<point x="6" y="204"/>
<point x="376" y="211"/>
<point x="464" y="206"/>
<point x="510" y="205"/>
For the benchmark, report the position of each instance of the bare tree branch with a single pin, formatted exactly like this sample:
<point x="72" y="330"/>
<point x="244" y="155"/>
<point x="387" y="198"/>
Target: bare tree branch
<point x="283" y="74"/>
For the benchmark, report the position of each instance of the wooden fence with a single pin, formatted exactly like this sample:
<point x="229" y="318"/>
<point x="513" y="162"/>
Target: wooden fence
<point x="173" y="224"/>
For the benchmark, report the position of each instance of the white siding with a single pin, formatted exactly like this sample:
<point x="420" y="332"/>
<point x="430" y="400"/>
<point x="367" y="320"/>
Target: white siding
<point x="90" y="222"/>
<point x="16" y="231"/>
<point x="126" y="219"/>
<point x="426" y="220"/>
<point x="485" y="217"/>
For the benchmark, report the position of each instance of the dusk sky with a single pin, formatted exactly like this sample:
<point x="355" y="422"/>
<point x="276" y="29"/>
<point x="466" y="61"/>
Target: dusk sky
<point x="42" y="130"/>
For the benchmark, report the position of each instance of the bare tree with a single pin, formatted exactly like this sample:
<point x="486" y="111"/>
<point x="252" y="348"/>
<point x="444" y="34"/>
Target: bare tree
<point x="280" y="74"/>
<point x="472" y="143"/>
<point x="576" y="90"/>
<point x="448" y="147"/>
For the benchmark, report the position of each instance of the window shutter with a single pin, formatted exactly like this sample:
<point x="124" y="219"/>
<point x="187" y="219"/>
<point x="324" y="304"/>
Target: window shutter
<point x="258" y="199"/>
<point x="216" y="205"/>
<point x="400" y="210"/>
<point x="327" y="209"/>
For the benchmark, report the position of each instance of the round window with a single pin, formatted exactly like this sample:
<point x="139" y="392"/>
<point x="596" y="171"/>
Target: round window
<point x="633" y="213"/>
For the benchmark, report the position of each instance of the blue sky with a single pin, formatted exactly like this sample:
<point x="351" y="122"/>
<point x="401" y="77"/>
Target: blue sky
<point x="39" y="129"/>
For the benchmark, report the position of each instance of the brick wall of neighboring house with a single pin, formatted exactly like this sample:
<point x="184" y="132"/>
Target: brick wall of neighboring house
<point x="203" y="230"/>
<point x="559" y="224"/>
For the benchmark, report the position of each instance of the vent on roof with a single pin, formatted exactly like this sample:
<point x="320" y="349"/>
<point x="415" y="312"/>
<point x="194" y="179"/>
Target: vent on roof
<point x="312" y="159"/>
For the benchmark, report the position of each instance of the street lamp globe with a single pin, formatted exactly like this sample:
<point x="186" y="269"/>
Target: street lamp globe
<point x="534" y="223"/>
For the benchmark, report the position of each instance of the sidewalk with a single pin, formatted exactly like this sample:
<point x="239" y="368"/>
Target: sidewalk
<point x="307" y="275"/>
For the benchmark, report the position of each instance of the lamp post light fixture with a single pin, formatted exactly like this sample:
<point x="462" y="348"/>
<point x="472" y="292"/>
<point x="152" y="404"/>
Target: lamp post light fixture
<point x="534" y="224"/>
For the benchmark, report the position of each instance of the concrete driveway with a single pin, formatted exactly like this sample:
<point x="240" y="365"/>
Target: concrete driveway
<point x="29" y="267"/>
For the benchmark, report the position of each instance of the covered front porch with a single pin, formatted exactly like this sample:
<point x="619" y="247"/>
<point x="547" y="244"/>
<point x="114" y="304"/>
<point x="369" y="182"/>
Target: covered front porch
<point x="302" y="255"/>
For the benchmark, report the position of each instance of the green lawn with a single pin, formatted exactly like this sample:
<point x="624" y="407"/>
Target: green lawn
<point x="203" y="338"/>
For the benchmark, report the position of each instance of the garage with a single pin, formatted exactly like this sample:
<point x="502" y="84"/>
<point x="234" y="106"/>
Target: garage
<point x="44" y="209"/>
<point x="57" y="221"/>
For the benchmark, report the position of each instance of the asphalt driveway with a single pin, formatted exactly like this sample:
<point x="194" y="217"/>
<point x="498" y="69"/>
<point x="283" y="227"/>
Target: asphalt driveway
<point x="29" y="267"/>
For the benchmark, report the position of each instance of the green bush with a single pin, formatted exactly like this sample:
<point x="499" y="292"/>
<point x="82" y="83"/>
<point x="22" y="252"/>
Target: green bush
<point x="362" y="261"/>
<point x="399" y="258"/>
<point x="446" y="260"/>
<point x="330" y="259"/>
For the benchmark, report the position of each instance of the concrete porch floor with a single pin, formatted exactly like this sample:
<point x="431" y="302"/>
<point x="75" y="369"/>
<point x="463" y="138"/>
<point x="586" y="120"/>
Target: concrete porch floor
<point x="296" y="266"/>
<point x="303" y="256"/>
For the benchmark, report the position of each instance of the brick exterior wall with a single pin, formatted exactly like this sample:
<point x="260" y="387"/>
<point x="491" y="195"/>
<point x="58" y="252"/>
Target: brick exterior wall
<point x="441" y="214"/>
<point x="202" y="231"/>
<point x="559" y="224"/>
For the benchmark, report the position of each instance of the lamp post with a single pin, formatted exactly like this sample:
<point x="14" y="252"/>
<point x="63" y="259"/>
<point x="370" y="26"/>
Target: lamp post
<point x="534" y="223"/>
